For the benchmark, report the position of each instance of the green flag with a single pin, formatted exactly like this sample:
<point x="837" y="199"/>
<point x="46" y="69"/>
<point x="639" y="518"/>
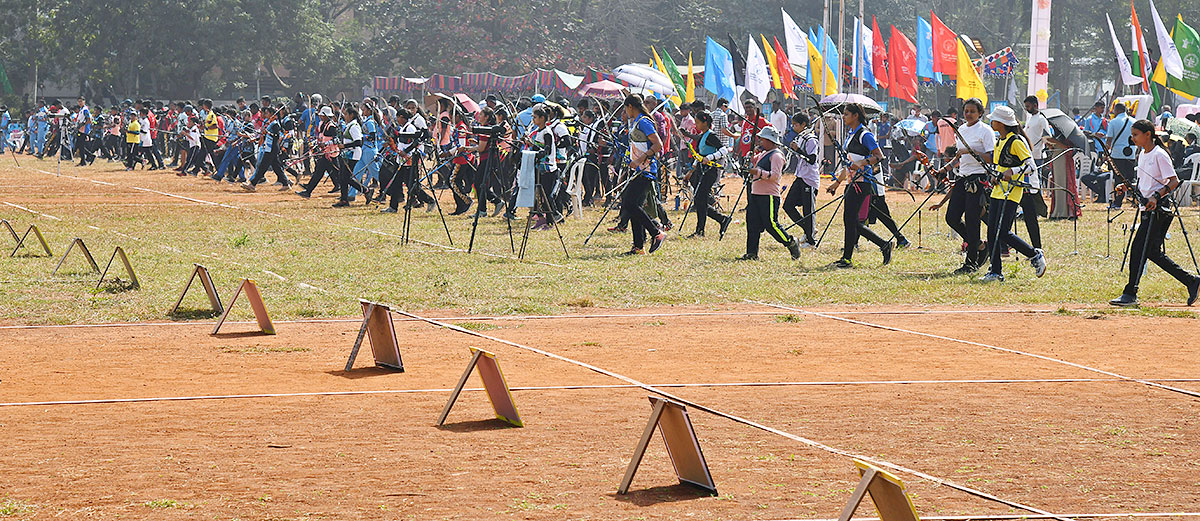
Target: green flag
<point x="673" y="72"/>
<point x="1188" y="43"/>
<point x="4" y="80"/>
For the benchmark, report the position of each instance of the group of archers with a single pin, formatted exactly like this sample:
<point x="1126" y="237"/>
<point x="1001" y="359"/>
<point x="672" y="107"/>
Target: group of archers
<point x="393" y="151"/>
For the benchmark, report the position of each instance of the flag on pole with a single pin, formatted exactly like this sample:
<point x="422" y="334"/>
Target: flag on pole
<point x="673" y="72"/>
<point x="797" y="47"/>
<point x="690" y="95"/>
<point x="1140" y="46"/>
<point x="866" y="46"/>
<point x="925" y="51"/>
<point x="833" y="65"/>
<point x="1166" y="47"/>
<point x="758" y="78"/>
<point x="1188" y="43"/>
<point x="718" y="70"/>
<point x="816" y="62"/>
<point x="659" y="65"/>
<point x="772" y="65"/>
<point x="970" y="85"/>
<point x="945" y="54"/>
<point x="902" y="65"/>
<point x="783" y="63"/>
<point x="739" y="63"/>
<point x="878" y="56"/>
<point x="1127" y="76"/>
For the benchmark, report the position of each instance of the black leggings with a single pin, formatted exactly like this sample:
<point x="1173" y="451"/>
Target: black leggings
<point x="632" y="210"/>
<point x="1148" y="245"/>
<point x="762" y="214"/>
<point x="324" y="166"/>
<point x="965" y="212"/>
<point x="703" y="200"/>
<point x="1001" y="213"/>
<point x="805" y="197"/>
<point x="1031" y="207"/>
<point x="858" y="195"/>
<point x="880" y="212"/>
<point x="346" y="175"/>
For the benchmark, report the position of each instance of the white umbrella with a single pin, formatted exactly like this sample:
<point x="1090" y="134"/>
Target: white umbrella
<point x="836" y="102"/>
<point x="642" y="76"/>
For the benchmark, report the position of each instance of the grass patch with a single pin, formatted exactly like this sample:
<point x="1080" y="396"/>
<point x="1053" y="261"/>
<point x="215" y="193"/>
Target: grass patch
<point x="1147" y="312"/>
<point x="162" y="503"/>
<point x="240" y="240"/>
<point x="477" y="326"/>
<point x="256" y="350"/>
<point x="788" y="318"/>
<point x="13" y="507"/>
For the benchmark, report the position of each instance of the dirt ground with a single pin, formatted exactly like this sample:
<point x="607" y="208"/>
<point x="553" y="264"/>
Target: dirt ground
<point x="1102" y="445"/>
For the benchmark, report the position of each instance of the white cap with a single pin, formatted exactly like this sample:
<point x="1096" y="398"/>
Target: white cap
<point x="1004" y="115"/>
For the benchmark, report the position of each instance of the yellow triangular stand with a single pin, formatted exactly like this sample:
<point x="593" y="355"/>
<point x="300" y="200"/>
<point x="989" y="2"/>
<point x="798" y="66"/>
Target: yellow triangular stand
<point x="120" y="252"/>
<point x="211" y="289"/>
<point x="493" y="382"/>
<point x="20" y="242"/>
<point x="671" y="419"/>
<point x="86" y="253"/>
<point x="377" y="324"/>
<point x="887" y="492"/>
<point x="256" y="303"/>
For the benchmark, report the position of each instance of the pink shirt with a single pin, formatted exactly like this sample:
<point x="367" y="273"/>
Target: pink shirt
<point x="767" y="182"/>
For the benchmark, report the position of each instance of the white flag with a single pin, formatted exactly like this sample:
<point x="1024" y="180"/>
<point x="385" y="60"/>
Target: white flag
<point x="797" y="45"/>
<point x="855" y="69"/>
<point x="1127" y="76"/>
<point x="758" y="77"/>
<point x="1012" y="92"/>
<point x="1170" y="55"/>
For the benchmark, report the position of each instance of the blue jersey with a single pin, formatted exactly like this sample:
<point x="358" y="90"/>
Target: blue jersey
<point x="370" y="134"/>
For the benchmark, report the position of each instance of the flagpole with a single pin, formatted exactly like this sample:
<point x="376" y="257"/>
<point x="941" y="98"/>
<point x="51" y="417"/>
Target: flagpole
<point x="837" y="71"/>
<point x="862" y="25"/>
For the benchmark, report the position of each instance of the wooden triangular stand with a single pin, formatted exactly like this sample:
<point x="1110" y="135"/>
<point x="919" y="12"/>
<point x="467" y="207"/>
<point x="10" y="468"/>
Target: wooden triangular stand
<point x="36" y="232"/>
<point x="377" y="323"/>
<point x="86" y="253"/>
<point x="11" y="231"/>
<point x="256" y="303"/>
<point x="493" y="382"/>
<point x="671" y="419"/>
<point x="209" y="287"/>
<point x="119" y="251"/>
<point x="887" y="492"/>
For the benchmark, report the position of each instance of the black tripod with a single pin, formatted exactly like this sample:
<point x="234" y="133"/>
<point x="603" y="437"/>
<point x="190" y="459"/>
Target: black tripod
<point x="415" y="181"/>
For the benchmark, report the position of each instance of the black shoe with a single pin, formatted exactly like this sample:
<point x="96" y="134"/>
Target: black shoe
<point x="748" y="257"/>
<point x="304" y="193"/>
<point x="634" y="251"/>
<point x="902" y="243"/>
<point x="725" y="226"/>
<point x="886" y="249"/>
<point x="336" y="189"/>
<point x="794" y="248"/>
<point x="1124" y="301"/>
<point x="657" y="242"/>
<point x="1193" y="290"/>
<point x="843" y="264"/>
<point x="696" y="234"/>
<point x="341" y="204"/>
<point x="967" y="267"/>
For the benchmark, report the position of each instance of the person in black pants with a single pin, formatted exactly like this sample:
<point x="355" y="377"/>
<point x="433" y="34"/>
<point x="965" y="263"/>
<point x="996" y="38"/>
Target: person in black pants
<point x="644" y="145"/>
<point x="803" y="193"/>
<point x="864" y="154"/>
<point x="326" y="151"/>
<point x="351" y="153"/>
<point x="762" y="202"/>
<point x="393" y="175"/>
<point x="966" y="198"/>
<point x="1156" y="179"/>
<point x="269" y="156"/>
<point x="707" y="170"/>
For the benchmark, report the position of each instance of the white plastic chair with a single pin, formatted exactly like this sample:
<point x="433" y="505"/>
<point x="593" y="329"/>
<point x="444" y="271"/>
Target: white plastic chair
<point x="1187" y="188"/>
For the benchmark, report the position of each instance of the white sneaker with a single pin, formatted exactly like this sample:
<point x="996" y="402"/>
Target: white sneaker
<point x="808" y="246"/>
<point x="1038" y="261"/>
<point x="248" y="187"/>
<point x="992" y="277"/>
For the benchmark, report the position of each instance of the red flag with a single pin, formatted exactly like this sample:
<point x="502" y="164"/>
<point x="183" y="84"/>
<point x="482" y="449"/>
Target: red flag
<point x="902" y="64"/>
<point x="785" y="70"/>
<point x="945" y="48"/>
<point x="878" y="56"/>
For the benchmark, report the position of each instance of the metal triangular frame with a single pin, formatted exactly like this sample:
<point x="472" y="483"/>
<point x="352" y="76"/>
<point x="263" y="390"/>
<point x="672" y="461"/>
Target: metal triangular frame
<point x="86" y="253"/>
<point x="209" y="288"/>
<point x="120" y="252"/>
<point x="20" y="242"/>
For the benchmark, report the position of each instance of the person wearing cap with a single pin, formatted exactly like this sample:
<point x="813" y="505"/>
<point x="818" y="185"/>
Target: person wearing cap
<point x="864" y="154"/>
<point x="270" y="145"/>
<point x="762" y="205"/>
<point x="1014" y="164"/>
<point x="803" y="193"/>
<point x="326" y="150"/>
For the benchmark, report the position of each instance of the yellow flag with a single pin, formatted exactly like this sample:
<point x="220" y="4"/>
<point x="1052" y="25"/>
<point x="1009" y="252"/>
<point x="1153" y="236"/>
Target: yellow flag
<point x="770" y="52"/>
<point x="691" y="82"/>
<point x="1160" y="76"/>
<point x="970" y="85"/>
<point x="659" y="65"/>
<point x="816" y="64"/>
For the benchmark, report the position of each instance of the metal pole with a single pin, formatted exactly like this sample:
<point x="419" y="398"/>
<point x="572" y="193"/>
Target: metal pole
<point x="861" y="43"/>
<point x="837" y="69"/>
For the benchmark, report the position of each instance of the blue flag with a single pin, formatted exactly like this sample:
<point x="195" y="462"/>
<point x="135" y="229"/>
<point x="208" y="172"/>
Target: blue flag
<point x="925" y="51"/>
<point x="718" y="70"/>
<point x="863" y="67"/>
<point x="832" y="60"/>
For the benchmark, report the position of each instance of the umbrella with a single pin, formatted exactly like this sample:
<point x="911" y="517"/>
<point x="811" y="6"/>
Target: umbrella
<point x="431" y="100"/>
<point x="1181" y="127"/>
<point x="467" y="103"/>
<point x="914" y="127"/>
<point x="1065" y="129"/>
<point x="602" y="89"/>
<point x="643" y="76"/>
<point x="835" y="103"/>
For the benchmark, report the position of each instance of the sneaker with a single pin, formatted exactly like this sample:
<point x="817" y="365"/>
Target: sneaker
<point x="286" y="187"/>
<point x="886" y="249"/>
<point x="480" y="215"/>
<point x="634" y="251"/>
<point x="843" y="264"/>
<point x="748" y="257"/>
<point x="1124" y="301"/>
<point x="657" y="241"/>
<point x="499" y="207"/>
<point x="388" y="209"/>
<point x="304" y="193"/>
<point x="430" y="207"/>
<point x="341" y="204"/>
<point x="992" y="277"/>
<point x="902" y="243"/>
<point x="794" y="248"/>
<point x="1038" y="261"/>
<point x="278" y="183"/>
<point x="967" y="267"/>
<point x="808" y="245"/>
<point x="725" y="226"/>
<point x="336" y="190"/>
<point x="696" y="234"/>
<point x="249" y="187"/>
<point x="1193" y="290"/>
<point x="510" y="216"/>
<point x="617" y="229"/>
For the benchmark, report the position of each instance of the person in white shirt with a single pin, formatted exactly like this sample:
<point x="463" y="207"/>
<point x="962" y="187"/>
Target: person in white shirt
<point x="803" y="193"/>
<point x="1037" y="128"/>
<point x="1155" y="180"/>
<point x="966" y="196"/>
<point x="352" y="141"/>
